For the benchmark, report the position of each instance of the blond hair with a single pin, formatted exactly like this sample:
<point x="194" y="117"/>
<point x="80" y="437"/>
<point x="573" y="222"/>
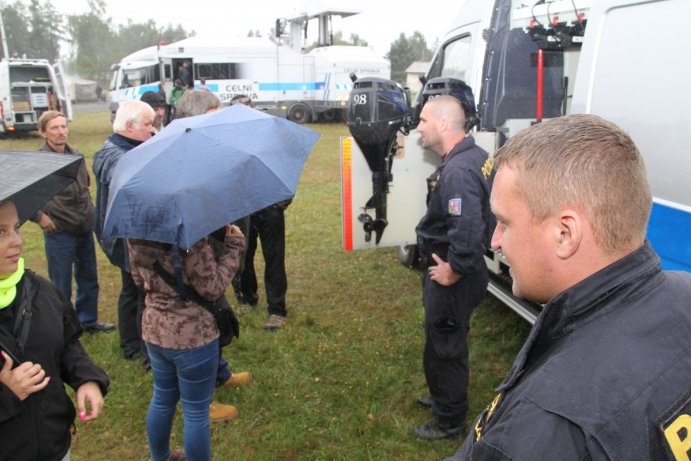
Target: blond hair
<point x="586" y="162"/>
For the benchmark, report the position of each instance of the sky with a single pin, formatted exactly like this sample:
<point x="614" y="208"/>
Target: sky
<point x="379" y="23"/>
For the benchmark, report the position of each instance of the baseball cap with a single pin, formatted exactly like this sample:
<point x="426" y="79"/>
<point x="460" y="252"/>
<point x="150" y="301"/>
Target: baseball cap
<point x="153" y="99"/>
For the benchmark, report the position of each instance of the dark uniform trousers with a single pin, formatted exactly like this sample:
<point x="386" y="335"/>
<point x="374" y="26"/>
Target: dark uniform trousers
<point x="269" y="226"/>
<point x="130" y="309"/>
<point x="445" y="357"/>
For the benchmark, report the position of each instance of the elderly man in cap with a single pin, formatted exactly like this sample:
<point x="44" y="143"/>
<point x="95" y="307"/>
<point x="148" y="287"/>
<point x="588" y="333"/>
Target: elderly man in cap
<point x="158" y="104"/>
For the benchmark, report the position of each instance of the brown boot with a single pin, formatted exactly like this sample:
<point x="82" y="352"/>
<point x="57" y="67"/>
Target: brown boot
<point x="219" y="412"/>
<point x="238" y="379"/>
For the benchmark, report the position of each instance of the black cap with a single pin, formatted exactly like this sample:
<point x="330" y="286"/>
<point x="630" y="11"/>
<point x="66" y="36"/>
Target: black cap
<point x="153" y="99"/>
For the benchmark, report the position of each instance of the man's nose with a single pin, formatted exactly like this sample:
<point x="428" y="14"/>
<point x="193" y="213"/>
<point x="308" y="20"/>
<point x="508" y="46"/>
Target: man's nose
<point x="496" y="238"/>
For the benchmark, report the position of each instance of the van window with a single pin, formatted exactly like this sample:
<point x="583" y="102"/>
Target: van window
<point x="140" y="76"/>
<point x="216" y="71"/>
<point x="453" y="60"/>
<point x="26" y="74"/>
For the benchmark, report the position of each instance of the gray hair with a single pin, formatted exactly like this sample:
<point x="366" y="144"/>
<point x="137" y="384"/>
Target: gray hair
<point x="130" y="111"/>
<point x="196" y="102"/>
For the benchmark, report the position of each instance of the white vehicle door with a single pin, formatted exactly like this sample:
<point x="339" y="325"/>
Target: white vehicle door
<point x="62" y="91"/>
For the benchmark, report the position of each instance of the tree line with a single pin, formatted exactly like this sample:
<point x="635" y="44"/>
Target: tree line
<point x="94" y="42"/>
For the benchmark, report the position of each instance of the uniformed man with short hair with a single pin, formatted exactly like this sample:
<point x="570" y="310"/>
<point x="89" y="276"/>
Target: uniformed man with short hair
<point x="605" y="373"/>
<point x="452" y="238"/>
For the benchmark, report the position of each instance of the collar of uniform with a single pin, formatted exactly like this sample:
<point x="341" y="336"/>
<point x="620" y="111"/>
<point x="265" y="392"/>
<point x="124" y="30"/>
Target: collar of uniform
<point x="464" y="144"/>
<point x="577" y="304"/>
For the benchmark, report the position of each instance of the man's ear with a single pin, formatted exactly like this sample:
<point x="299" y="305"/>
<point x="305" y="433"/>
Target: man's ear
<point x="569" y="227"/>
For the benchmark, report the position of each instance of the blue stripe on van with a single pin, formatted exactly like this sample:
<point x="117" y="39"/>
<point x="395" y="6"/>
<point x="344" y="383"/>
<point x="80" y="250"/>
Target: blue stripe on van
<point x="213" y="87"/>
<point x="144" y="88"/>
<point x="669" y="232"/>
<point x="288" y="86"/>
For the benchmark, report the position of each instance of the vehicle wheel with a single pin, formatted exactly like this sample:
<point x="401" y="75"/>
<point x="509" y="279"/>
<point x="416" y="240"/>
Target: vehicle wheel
<point x="299" y="113"/>
<point x="328" y="116"/>
<point x="409" y="256"/>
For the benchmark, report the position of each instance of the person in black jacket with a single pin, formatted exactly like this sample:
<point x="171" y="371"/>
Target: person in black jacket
<point x="605" y="373"/>
<point x="132" y="126"/>
<point x="40" y="353"/>
<point x="452" y="238"/>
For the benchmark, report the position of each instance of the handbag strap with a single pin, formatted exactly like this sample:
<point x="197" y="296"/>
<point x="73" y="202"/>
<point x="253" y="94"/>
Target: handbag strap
<point x="190" y="292"/>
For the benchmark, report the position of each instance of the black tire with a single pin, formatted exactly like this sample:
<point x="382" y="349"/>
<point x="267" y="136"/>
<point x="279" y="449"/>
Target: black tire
<point x="300" y="113"/>
<point x="329" y="116"/>
<point x="409" y="256"/>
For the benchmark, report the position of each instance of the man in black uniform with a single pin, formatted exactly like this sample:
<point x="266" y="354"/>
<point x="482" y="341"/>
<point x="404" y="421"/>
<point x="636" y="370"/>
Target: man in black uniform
<point x="605" y="373"/>
<point x="452" y="238"/>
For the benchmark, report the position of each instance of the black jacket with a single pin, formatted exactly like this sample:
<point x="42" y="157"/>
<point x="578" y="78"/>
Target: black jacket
<point x="38" y="428"/>
<point x="105" y="161"/>
<point x="458" y="224"/>
<point x="604" y="374"/>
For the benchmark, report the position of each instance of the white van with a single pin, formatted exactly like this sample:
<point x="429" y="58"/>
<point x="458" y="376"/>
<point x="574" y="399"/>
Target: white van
<point x="279" y="78"/>
<point x="625" y="60"/>
<point x="29" y="87"/>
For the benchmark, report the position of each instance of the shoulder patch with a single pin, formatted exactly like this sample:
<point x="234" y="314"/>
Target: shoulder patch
<point x="675" y="428"/>
<point x="455" y="207"/>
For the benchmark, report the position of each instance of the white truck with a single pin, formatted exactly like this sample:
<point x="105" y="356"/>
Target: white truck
<point x="526" y="61"/>
<point x="29" y="87"/>
<point x="279" y="78"/>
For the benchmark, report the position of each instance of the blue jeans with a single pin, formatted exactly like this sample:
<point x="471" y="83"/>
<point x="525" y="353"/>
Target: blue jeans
<point x="189" y="376"/>
<point x="65" y="251"/>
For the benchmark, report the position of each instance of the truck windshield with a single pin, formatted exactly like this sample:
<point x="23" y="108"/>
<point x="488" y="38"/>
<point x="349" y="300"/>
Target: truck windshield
<point x="139" y="76"/>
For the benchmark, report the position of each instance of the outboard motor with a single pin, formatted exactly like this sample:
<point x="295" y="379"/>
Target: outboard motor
<point x="378" y="108"/>
<point x="439" y="86"/>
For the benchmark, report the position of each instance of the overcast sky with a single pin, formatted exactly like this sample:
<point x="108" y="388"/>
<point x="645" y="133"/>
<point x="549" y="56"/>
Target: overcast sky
<point x="380" y="23"/>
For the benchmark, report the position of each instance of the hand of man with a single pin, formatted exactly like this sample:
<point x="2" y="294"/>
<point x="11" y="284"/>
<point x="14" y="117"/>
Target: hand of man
<point x="47" y="224"/>
<point x="442" y="272"/>
<point x="24" y="380"/>
<point x="89" y="393"/>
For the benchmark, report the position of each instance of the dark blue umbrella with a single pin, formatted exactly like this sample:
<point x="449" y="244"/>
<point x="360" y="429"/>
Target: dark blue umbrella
<point x="30" y="179"/>
<point x="203" y="172"/>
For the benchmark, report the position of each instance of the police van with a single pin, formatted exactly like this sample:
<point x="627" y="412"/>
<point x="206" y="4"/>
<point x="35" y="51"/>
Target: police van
<point x="29" y="87"/>
<point x="276" y="75"/>
<point x="527" y="61"/>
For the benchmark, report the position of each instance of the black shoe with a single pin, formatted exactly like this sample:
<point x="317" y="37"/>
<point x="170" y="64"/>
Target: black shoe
<point x="146" y="363"/>
<point x="432" y="430"/>
<point x="99" y="326"/>
<point x="131" y="355"/>
<point x="425" y="401"/>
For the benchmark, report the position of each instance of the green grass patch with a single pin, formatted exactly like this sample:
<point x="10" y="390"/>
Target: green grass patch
<point x="339" y="382"/>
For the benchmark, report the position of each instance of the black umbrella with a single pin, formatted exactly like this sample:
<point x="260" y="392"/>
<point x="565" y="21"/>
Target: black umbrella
<point x="30" y="179"/>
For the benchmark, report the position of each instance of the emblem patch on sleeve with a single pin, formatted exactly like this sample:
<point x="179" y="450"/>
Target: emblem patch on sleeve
<point x="675" y="428"/>
<point x="455" y="207"/>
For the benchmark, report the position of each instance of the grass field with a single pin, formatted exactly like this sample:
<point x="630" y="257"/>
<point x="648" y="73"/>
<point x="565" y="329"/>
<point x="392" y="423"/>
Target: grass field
<point x="339" y="382"/>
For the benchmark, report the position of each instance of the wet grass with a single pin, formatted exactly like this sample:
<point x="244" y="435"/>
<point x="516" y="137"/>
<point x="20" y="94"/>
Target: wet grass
<point x="339" y="382"/>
